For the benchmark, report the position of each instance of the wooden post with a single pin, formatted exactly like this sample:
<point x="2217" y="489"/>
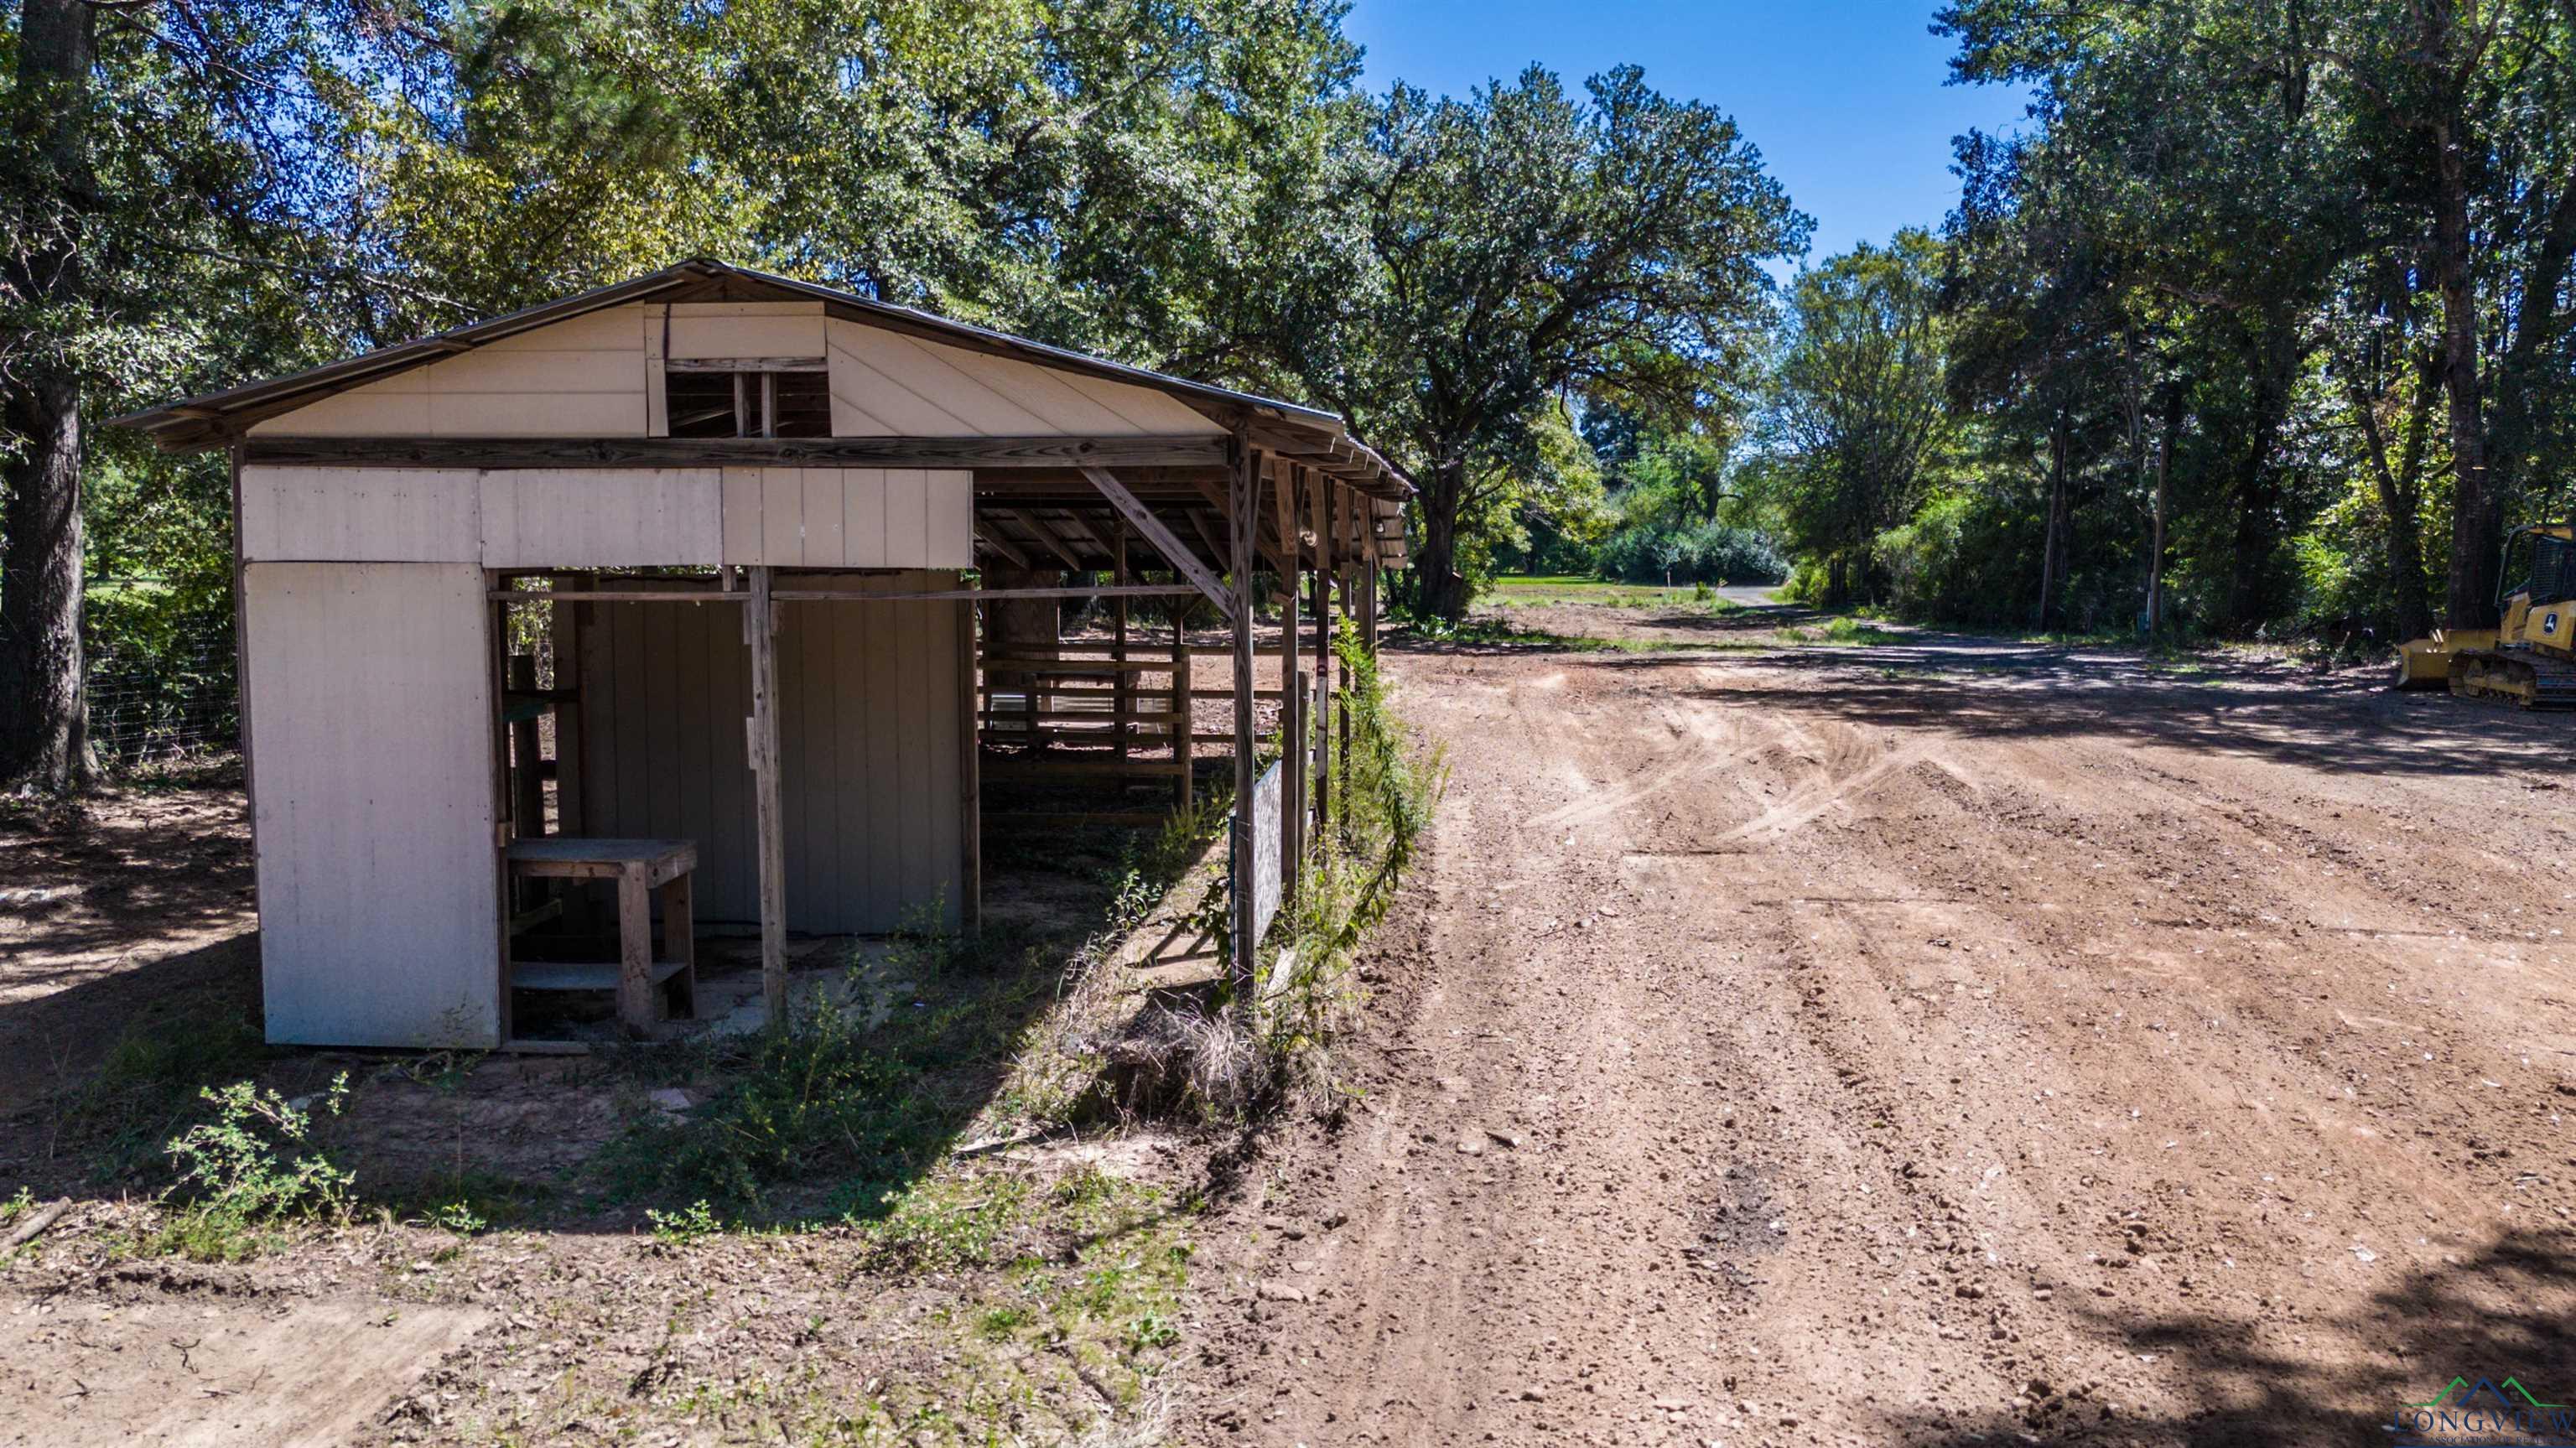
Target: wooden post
<point x="569" y="744"/>
<point x="635" y="1011"/>
<point x="1183" y="751"/>
<point x="1240" y="502"/>
<point x="527" y="780"/>
<point x="1325" y="560"/>
<point x="970" y="757"/>
<point x="1292" y="695"/>
<point x="1122" y="690"/>
<point x="760" y="632"/>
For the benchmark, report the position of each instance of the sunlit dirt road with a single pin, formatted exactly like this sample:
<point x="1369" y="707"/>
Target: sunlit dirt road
<point x="1934" y="1043"/>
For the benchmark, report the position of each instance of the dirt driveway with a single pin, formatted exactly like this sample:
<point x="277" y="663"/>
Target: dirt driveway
<point x="1937" y="1043"/>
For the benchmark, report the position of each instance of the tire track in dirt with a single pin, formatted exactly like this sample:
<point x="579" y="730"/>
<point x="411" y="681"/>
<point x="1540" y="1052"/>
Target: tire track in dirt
<point x="1854" y="1082"/>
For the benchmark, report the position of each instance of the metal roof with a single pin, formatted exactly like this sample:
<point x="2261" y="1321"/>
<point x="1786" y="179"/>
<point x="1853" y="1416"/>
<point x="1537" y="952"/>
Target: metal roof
<point x="219" y="418"/>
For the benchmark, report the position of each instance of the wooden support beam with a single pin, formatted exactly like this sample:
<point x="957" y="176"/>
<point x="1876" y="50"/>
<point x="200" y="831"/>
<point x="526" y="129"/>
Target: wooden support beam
<point x="842" y="595"/>
<point x="1045" y="535"/>
<point x="760" y="632"/>
<point x="1161" y="537"/>
<point x="970" y="804"/>
<point x="1240" y="505"/>
<point x="675" y="452"/>
<point x="992" y="538"/>
<point x="1291" y="481"/>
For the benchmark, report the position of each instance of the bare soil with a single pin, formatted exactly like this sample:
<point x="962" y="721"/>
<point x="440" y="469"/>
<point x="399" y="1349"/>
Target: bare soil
<point x="1934" y="1041"/>
<point x="1937" y="1042"/>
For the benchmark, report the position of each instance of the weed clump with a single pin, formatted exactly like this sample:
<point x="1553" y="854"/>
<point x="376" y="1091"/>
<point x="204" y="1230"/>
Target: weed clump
<point x="253" y="1166"/>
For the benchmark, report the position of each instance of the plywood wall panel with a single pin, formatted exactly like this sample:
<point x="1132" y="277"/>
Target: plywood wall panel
<point x="716" y="330"/>
<point x="602" y="517"/>
<point x="885" y="384"/>
<point x="393" y="515"/>
<point x="868" y="712"/>
<point x="848" y="517"/>
<point x="378" y="898"/>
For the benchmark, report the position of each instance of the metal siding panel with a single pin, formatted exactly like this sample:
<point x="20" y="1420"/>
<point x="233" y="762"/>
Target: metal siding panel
<point x="360" y="515"/>
<point x="378" y="915"/>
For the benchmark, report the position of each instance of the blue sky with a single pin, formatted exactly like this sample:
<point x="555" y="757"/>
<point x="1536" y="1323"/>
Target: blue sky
<point x="1846" y="98"/>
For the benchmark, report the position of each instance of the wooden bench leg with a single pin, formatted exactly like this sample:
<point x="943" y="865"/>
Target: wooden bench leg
<point x="635" y="953"/>
<point x="680" y="942"/>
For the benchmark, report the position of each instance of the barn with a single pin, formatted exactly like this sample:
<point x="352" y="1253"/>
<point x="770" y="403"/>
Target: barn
<point x="715" y="597"/>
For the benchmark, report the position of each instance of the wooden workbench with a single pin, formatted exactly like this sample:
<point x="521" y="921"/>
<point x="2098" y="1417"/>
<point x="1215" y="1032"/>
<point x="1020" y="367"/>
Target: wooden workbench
<point x="641" y="869"/>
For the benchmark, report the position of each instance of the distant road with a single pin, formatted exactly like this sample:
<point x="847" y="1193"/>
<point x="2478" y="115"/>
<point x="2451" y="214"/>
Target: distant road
<point x="1751" y="595"/>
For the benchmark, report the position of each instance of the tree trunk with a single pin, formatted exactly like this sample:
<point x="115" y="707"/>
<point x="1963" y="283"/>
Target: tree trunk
<point x="2477" y="512"/>
<point x="1443" y="589"/>
<point x="2164" y="512"/>
<point x="2048" y="524"/>
<point x="2398" y="498"/>
<point x="44" y="725"/>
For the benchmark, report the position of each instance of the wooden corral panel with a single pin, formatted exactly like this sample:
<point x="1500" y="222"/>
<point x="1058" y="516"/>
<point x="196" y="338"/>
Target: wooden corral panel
<point x="868" y="732"/>
<point x="579" y="378"/>
<point x="394" y="515"/>
<point x="849" y="517"/>
<point x="885" y="384"/>
<point x="601" y="517"/>
<point x="370" y="699"/>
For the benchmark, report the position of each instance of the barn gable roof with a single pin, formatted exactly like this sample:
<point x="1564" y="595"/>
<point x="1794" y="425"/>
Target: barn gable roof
<point x="220" y="418"/>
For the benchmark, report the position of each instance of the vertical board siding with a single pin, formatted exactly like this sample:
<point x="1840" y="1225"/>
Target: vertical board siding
<point x="391" y="515"/>
<point x="847" y="517"/>
<point x="869" y="776"/>
<point x="602" y="517"/>
<point x="379" y="913"/>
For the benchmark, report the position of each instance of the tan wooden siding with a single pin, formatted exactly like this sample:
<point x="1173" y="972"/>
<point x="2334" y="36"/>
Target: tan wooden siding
<point x="394" y="515"/>
<point x="378" y="902"/>
<point x="849" y="517"/>
<point x="719" y="330"/>
<point x="885" y="384"/>
<point x="868" y="734"/>
<point x="579" y="378"/>
<point x="601" y="517"/>
<point x="501" y="517"/>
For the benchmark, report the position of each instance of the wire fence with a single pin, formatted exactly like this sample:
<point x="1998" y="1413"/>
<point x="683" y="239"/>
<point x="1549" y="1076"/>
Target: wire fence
<point x="161" y="683"/>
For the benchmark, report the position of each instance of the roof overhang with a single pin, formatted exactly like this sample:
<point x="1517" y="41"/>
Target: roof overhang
<point x="1306" y="435"/>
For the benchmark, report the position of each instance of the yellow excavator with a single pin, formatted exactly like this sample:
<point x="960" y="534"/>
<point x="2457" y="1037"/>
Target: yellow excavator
<point x="2531" y="659"/>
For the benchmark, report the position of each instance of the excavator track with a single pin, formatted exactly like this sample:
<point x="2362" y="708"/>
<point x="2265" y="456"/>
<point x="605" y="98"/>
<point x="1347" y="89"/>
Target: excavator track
<point x="2534" y="681"/>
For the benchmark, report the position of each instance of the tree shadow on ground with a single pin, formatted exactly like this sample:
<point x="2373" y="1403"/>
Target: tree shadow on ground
<point x="2506" y="1311"/>
<point x="107" y="1063"/>
<point x="2334" y="723"/>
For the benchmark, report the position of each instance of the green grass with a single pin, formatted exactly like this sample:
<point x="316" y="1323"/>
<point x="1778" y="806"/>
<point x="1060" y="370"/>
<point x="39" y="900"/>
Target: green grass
<point x="1545" y="590"/>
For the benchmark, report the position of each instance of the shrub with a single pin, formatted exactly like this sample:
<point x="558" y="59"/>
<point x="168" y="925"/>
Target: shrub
<point x="1699" y="553"/>
<point x="250" y="1167"/>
